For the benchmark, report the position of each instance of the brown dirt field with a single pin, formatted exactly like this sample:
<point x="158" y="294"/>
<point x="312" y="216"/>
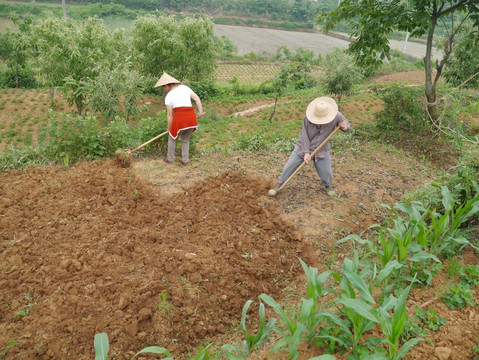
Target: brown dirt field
<point x="167" y="255"/>
<point x="94" y="247"/>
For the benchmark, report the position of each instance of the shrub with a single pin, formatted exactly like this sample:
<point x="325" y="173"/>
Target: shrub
<point x="26" y="79"/>
<point x="402" y="115"/>
<point x="339" y="73"/>
<point x="205" y="89"/>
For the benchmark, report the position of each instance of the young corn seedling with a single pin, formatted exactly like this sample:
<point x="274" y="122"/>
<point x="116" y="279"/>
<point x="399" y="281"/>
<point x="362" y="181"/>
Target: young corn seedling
<point x="251" y="342"/>
<point x="102" y="346"/>
<point x="392" y="326"/>
<point x="295" y="325"/>
<point x="352" y="284"/>
<point x="310" y="313"/>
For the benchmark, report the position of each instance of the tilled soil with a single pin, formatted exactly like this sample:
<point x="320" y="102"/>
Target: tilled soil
<point x="95" y="249"/>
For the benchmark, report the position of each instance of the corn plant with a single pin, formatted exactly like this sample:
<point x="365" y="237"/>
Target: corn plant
<point x="442" y="235"/>
<point x="102" y="346"/>
<point x="392" y="326"/>
<point x="295" y="325"/>
<point x="352" y="283"/>
<point x="251" y="342"/>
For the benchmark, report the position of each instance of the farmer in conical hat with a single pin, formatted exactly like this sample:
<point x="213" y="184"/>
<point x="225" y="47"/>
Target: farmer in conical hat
<point x="322" y="117"/>
<point x="180" y="114"/>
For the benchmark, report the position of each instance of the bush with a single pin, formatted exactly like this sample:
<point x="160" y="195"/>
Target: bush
<point x="74" y="138"/>
<point x="402" y="115"/>
<point x="248" y="143"/>
<point x="205" y="89"/>
<point x="26" y="79"/>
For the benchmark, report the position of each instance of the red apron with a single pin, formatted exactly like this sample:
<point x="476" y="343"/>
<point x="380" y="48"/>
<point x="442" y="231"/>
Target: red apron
<point x="183" y="118"/>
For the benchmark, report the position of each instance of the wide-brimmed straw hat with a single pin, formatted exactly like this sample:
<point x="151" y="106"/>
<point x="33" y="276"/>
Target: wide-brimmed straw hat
<point x="322" y="110"/>
<point x="166" y="79"/>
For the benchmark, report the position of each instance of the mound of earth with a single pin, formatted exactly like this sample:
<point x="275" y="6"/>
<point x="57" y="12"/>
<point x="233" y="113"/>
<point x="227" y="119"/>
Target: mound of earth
<point x="95" y="249"/>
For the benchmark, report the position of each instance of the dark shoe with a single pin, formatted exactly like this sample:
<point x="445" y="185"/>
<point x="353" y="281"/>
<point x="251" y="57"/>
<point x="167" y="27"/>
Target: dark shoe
<point x="184" y="163"/>
<point x="167" y="161"/>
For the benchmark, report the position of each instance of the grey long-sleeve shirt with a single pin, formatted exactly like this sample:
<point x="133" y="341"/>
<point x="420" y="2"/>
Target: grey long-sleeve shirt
<point x="312" y="135"/>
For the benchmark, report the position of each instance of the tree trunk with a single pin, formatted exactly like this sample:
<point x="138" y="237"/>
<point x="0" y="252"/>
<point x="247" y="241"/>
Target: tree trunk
<point x="274" y="109"/>
<point x="17" y="80"/>
<point x="52" y="94"/>
<point x="64" y="6"/>
<point x="79" y="105"/>
<point x="430" y="88"/>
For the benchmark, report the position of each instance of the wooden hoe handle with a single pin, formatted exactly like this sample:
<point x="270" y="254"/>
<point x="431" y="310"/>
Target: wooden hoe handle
<point x="149" y="141"/>
<point x="312" y="156"/>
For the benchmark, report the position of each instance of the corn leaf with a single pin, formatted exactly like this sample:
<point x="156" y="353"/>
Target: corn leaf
<point x="360" y="307"/>
<point x="358" y="283"/>
<point x="324" y="357"/>
<point x="155" y="350"/>
<point x="406" y="347"/>
<point x="102" y="345"/>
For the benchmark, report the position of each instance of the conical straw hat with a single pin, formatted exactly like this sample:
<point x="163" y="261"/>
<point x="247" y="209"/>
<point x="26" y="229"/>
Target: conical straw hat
<point x="166" y="79"/>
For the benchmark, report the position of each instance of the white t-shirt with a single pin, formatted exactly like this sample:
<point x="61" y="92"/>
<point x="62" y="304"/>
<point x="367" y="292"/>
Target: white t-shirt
<point x="179" y="96"/>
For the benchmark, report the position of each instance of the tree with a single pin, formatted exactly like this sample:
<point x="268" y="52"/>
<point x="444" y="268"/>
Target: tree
<point x="339" y="73"/>
<point x="374" y="20"/>
<point x="68" y="54"/>
<point x="185" y="48"/>
<point x="15" y="48"/>
<point x="291" y="75"/>
<point x="463" y="67"/>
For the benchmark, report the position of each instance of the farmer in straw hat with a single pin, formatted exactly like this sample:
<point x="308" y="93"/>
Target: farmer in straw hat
<point x="180" y="114"/>
<point x="322" y="117"/>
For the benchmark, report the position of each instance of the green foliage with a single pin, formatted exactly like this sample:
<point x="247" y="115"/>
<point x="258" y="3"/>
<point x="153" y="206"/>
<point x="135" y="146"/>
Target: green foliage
<point x="78" y="137"/>
<point x="21" y="157"/>
<point x="70" y="54"/>
<point x="463" y="67"/>
<point x="250" y="143"/>
<point x="402" y="116"/>
<point x="339" y="74"/>
<point x="399" y="62"/>
<point x="205" y="89"/>
<point x="429" y="318"/>
<point x="25" y="78"/>
<point x="294" y="75"/>
<point x="459" y="295"/>
<point x="184" y="48"/>
<point x="102" y="346"/>
<point x="15" y="50"/>
<point x="372" y="25"/>
<point x="225" y="48"/>
<point x="114" y="92"/>
<point x="301" y="55"/>
<point x="251" y="342"/>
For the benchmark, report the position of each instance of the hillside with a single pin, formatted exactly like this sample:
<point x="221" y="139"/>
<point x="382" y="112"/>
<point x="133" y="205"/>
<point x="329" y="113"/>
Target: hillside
<point x="167" y="255"/>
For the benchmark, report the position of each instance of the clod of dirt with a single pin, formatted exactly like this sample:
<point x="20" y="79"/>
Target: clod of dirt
<point x="123" y="158"/>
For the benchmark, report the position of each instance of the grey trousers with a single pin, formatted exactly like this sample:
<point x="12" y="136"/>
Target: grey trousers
<point x="322" y="166"/>
<point x="185" y="145"/>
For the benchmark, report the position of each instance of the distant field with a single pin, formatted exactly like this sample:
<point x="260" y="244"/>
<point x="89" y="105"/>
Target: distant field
<point x="255" y="73"/>
<point x="268" y="41"/>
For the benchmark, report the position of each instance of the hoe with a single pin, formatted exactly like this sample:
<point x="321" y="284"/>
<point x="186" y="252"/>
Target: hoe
<point x="274" y="192"/>
<point x="123" y="157"/>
